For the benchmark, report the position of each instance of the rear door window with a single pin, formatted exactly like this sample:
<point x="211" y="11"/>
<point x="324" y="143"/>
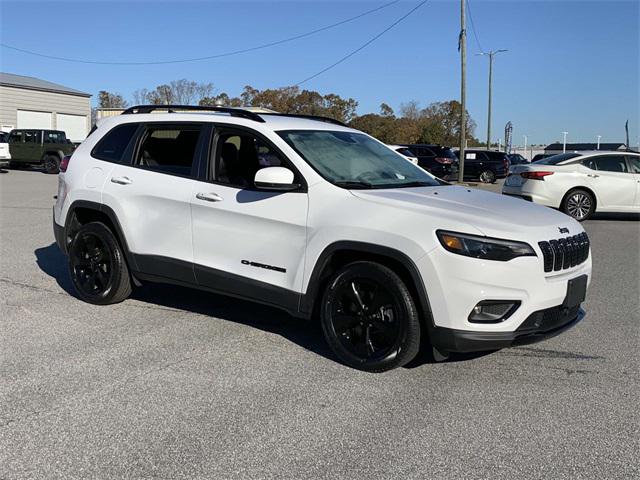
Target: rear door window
<point x="610" y="163"/>
<point x="169" y="149"/>
<point x="634" y="164"/>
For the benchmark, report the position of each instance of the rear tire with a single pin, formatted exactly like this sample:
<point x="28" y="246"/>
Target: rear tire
<point x="97" y="266"/>
<point x="487" y="176"/>
<point x="52" y="164"/>
<point x="579" y="204"/>
<point x="369" y="318"/>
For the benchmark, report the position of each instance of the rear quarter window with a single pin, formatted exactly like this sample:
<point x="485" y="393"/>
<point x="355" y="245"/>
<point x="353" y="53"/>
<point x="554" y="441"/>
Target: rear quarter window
<point x="113" y="145"/>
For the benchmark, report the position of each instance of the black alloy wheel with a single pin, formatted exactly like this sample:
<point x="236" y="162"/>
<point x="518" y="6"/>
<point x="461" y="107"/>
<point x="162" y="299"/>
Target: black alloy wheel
<point x="369" y="318"/>
<point x="51" y="164"/>
<point x="487" y="176"/>
<point x="97" y="266"/>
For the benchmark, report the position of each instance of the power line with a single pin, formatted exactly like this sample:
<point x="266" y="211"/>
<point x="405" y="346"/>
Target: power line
<point x="364" y="45"/>
<point x="208" y="57"/>
<point x="473" y="27"/>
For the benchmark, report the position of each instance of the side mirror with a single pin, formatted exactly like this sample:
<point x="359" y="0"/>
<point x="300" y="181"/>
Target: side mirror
<point x="276" y="179"/>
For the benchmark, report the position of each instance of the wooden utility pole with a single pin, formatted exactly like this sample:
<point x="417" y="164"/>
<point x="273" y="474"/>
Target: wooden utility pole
<point x="462" y="43"/>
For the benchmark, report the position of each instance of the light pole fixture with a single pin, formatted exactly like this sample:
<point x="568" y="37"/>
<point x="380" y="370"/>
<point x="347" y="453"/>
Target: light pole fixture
<point x="564" y="141"/>
<point x="525" y="146"/>
<point x="462" y="47"/>
<point x="490" y="54"/>
<point x="598" y="146"/>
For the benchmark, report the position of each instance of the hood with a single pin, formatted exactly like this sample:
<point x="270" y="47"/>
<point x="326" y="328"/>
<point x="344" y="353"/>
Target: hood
<point x="493" y="214"/>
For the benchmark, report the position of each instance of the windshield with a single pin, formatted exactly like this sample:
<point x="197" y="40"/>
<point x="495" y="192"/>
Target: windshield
<point x="355" y="160"/>
<point x="556" y="159"/>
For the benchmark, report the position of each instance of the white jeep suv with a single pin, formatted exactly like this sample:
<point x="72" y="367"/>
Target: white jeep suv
<point x="321" y="220"/>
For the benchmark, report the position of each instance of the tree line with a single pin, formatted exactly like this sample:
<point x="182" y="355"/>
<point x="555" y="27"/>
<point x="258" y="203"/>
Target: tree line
<point x="437" y="123"/>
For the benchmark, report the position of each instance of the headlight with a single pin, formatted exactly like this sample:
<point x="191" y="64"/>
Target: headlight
<point x="484" y="247"/>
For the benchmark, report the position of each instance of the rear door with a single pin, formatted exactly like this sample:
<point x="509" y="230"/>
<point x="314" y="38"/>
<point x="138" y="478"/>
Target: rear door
<point x="248" y="241"/>
<point x="610" y="179"/>
<point x="634" y="168"/>
<point x="151" y="197"/>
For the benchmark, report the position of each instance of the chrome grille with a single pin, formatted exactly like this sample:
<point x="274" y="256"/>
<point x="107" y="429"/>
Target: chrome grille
<point x="564" y="252"/>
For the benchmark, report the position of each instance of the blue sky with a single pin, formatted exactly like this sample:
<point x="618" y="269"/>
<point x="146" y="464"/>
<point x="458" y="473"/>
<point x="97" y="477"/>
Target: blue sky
<point x="572" y="65"/>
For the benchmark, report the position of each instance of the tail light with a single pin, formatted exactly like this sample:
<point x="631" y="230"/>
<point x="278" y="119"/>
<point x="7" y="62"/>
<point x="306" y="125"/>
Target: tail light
<point x="443" y="160"/>
<point x="64" y="164"/>
<point x="533" y="175"/>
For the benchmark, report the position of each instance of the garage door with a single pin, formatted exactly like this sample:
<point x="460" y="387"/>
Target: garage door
<point x="32" y="119"/>
<point x="75" y="126"/>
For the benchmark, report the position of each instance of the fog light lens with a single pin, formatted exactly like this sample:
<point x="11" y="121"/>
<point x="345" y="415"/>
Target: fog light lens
<point x="493" y="311"/>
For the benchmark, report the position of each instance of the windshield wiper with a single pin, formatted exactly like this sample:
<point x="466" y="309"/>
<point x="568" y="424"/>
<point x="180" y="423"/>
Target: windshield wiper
<point x="415" y="184"/>
<point x="353" y="184"/>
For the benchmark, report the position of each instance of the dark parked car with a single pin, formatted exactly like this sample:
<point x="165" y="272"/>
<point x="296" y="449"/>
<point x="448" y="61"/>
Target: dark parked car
<point x="517" y="159"/>
<point x="39" y="147"/>
<point x="435" y="159"/>
<point x="485" y="165"/>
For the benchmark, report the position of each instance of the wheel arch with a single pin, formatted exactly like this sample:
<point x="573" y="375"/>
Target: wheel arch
<point x="82" y="212"/>
<point x="342" y="253"/>
<point x="57" y="153"/>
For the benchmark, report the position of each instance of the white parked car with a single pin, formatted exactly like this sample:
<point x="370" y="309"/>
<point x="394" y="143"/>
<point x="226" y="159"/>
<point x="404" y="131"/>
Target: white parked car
<point x="580" y="183"/>
<point x="321" y="220"/>
<point x="5" y="156"/>
<point x="405" y="152"/>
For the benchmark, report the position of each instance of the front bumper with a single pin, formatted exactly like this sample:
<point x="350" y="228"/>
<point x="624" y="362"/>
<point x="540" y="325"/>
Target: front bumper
<point x="539" y="326"/>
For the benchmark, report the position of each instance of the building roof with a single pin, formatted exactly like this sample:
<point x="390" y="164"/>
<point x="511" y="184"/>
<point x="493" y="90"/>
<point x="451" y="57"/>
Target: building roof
<point x="585" y="146"/>
<point x="32" y="83"/>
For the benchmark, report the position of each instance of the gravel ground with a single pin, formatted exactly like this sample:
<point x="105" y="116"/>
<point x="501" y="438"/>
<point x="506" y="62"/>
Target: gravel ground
<point x="174" y="383"/>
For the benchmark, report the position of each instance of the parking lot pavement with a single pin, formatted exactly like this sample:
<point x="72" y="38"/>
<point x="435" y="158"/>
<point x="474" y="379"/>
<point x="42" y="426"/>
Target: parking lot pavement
<point x="180" y="384"/>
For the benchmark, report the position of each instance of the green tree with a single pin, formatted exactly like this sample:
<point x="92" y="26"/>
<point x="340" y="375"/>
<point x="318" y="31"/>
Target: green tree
<point x="110" y="100"/>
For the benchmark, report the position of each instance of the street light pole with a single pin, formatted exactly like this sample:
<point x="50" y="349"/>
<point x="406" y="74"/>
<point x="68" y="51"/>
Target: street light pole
<point x="599" y="137"/>
<point x="490" y="54"/>
<point x="463" y="89"/>
<point x="564" y="142"/>
<point x="525" y="146"/>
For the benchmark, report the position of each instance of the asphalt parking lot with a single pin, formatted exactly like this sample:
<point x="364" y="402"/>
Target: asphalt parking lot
<point x="174" y="383"/>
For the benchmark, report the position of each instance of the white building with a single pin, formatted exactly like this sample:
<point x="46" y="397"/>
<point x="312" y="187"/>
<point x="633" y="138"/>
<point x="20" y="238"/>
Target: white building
<point x="28" y="102"/>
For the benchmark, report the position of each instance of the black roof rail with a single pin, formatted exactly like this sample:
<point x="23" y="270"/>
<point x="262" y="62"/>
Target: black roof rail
<point x="308" y="117"/>
<point x="234" y="112"/>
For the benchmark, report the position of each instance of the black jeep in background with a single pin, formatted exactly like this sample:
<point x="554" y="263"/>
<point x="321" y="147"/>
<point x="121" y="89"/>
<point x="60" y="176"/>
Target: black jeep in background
<point x="485" y="165"/>
<point x="46" y="148"/>
<point x="435" y="159"/>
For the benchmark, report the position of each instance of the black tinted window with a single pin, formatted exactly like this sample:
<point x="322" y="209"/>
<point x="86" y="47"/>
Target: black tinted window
<point x="31" y="137"/>
<point x="169" y="149"/>
<point x="240" y="155"/>
<point x="15" y="137"/>
<point x="54" y="137"/>
<point x="556" y="159"/>
<point x="634" y="163"/>
<point x="112" y="146"/>
<point x="4" y="137"/>
<point x="611" y="163"/>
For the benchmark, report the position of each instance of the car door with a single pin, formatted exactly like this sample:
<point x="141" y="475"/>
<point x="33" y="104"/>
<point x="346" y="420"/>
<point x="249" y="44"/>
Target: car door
<point x="246" y="241"/>
<point x="609" y="178"/>
<point x="634" y="169"/>
<point x="151" y="197"/>
<point x="472" y="163"/>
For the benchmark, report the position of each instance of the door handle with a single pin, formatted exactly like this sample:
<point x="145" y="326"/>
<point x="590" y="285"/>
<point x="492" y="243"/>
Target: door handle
<point x="121" y="180"/>
<point x="209" y="197"/>
<point x="592" y="175"/>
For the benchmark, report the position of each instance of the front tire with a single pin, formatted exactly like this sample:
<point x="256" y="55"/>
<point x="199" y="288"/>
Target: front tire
<point x="579" y="204"/>
<point x="52" y="164"/>
<point x="369" y="318"/>
<point x="487" y="176"/>
<point x="97" y="266"/>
